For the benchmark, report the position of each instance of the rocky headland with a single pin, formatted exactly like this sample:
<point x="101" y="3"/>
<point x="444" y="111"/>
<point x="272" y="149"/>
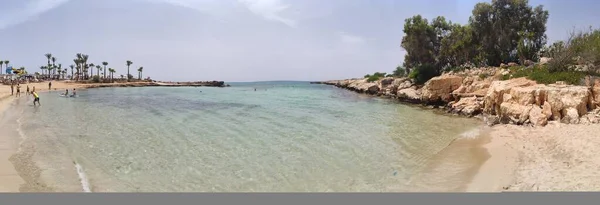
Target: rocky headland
<point x="481" y="92"/>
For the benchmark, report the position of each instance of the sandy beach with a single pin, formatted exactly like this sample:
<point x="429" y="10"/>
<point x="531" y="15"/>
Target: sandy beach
<point x="10" y="181"/>
<point x="558" y="157"/>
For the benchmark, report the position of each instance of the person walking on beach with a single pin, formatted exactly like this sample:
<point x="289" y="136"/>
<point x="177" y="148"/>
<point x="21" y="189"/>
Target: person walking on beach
<point x="27" y="93"/>
<point x="18" y="90"/>
<point x="12" y="89"/>
<point x="50" y="85"/>
<point x="36" y="98"/>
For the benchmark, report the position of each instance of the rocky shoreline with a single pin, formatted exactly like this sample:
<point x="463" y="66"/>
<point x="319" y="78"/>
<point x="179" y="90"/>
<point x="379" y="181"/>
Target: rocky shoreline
<point x="481" y="92"/>
<point x="156" y="84"/>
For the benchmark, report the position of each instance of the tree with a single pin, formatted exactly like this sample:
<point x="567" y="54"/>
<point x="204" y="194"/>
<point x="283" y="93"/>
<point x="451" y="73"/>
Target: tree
<point x="140" y="70"/>
<point x="49" y="57"/>
<point x="43" y="68"/>
<point x="400" y="72"/>
<point x="1" y="63"/>
<point x="507" y="30"/>
<point x="104" y="64"/>
<point x="72" y="66"/>
<point x="112" y="74"/>
<point x="84" y="59"/>
<point x="128" y="64"/>
<point x="59" y="70"/>
<point x="423" y="42"/>
<point x="53" y="63"/>
<point x="98" y="67"/>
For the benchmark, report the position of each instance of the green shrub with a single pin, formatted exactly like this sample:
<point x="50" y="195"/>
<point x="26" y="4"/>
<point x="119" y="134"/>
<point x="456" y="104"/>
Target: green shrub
<point x="96" y="79"/>
<point x="483" y="76"/>
<point x="399" y="72"/>
<point x="373" y="78"/>
<point x="367" y="75"/>
<point x="542" y="74"/>
<point x="389" y="75"/>
<point x="423" y="73"/>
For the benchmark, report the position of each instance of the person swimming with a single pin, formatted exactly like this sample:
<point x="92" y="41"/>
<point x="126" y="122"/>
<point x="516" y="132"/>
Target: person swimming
<point x="66" y="92"/>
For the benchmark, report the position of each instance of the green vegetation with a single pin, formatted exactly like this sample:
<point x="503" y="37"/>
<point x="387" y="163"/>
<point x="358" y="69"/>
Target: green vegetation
<point x="498" y="32"/>
<point x="375" y="76"/>
<point x="542" y="74"/>
<point x="423" y="73"/>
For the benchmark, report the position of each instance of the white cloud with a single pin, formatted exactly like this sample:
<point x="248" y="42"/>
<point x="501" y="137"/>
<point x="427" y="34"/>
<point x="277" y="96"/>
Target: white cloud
<point x="31" y="9"/>
<point x="269" y="9"/>
<point x="351" y="39"/>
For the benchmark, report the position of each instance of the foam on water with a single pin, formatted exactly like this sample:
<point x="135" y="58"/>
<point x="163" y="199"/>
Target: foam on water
<point x="285" y="136"/>
<point x="85" y="184"/>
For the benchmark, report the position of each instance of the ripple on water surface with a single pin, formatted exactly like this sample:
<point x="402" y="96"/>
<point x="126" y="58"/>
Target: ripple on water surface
<point x="285" y="137"/>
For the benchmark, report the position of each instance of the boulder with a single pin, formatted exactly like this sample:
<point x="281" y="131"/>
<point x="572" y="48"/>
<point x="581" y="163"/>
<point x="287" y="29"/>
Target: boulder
<point x="537" y="116"/>
<point x="571" y="116"/>
<point x="439" y="89"/>
<point x="411" y="94"/>
<point x="511" y="64"/>
<point x="467" y="106"/>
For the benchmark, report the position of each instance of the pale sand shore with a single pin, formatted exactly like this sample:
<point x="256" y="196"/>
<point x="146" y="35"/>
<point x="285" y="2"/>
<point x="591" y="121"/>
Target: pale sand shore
<point x="10" y="180"/>
<point x="558" y="157"/>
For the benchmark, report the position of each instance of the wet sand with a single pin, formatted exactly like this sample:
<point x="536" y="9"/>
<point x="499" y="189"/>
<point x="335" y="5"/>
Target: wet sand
<point x="10" y="178"/>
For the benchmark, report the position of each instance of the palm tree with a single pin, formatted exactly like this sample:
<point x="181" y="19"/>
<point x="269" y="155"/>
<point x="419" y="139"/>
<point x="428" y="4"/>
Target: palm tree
<point x="84" y="58"/>
<point x="98" y="67"/>
<point x="59" y="70"/>
<point x="104" y="64"/>
<point x="112" y="74"/>
<point x="128" y="64"/>
<point x="43" y="68"/>
<point x="53" y="62"/>
<point x="140" y="72"/>
<point x="72" y="66"/>
<point x="91" y="65"/>
<point x="77" y="62"/>
<point x="49" y="57"/>
<point x="1" y="63"/>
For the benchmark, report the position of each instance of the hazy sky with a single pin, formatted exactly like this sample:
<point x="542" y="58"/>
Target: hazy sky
<point x="237" y="40"/>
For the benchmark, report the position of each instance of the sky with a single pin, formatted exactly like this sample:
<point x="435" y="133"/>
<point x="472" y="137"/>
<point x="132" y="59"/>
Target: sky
<point x="237" y="40"/>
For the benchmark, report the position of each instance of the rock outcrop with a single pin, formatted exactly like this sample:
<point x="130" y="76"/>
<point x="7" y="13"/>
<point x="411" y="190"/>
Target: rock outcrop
<point x="482" y="92"/>
<point x="439" y="89"/>
<point x="520" y="100"/>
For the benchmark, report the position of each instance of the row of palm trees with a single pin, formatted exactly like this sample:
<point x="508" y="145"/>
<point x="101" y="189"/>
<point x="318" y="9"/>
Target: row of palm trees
<point x="82" y="70"/>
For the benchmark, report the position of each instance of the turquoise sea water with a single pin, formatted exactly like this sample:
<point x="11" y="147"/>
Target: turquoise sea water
<point x="285" y="136"/>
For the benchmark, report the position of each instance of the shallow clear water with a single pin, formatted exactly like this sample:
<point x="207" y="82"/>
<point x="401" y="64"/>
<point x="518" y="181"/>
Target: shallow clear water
<point x="285" y="136"/>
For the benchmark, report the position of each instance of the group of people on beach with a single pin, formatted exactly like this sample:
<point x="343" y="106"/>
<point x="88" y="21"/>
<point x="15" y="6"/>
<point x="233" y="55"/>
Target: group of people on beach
<point x="36" y="97"/>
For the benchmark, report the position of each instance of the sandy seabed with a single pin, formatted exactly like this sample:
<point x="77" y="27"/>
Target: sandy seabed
<point x="558" y="157"/>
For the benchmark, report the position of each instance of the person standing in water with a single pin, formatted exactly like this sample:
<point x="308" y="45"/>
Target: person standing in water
<point x="36" y="98"/>
<point x="74" y="93"/>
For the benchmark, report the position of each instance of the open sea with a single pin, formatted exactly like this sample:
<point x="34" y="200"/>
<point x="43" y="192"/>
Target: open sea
<point x="283" y="137"/>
